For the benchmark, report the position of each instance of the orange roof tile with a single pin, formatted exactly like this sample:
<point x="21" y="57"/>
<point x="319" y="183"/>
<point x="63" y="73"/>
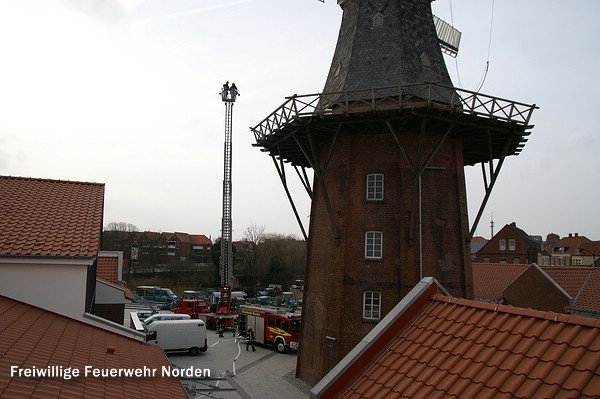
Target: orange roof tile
<point x="40" y="217"/>
<point x="30" y="336"/>
<point x="200" y="239"/>
<point x="577" y="245"/>
<point x="107" y="268"/>
<point x="432" y="345"/>
<point x="588" y="300"/>
<point x="490" y="279"/>
<point x="570" y="278"/>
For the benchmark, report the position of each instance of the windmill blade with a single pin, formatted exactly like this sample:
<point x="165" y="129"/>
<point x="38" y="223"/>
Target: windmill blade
<point x="448" y="36"/>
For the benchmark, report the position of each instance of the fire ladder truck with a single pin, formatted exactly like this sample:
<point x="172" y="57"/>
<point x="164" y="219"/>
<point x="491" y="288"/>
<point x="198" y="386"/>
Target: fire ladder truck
<point x="224" y="309"/>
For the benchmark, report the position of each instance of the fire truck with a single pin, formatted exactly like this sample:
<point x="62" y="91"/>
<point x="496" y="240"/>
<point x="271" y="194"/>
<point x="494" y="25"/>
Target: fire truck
<point x="272" y="326"/>
<point x="223" y="307"/>
<point x="191" y="303"/>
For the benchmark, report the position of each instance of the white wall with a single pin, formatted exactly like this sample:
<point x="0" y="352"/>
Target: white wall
<point x="57" y="285"/>
<point x="106" y="293"/>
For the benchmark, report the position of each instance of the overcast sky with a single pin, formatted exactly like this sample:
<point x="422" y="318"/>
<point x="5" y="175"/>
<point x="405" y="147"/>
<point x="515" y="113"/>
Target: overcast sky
<point x="126" y="93"/>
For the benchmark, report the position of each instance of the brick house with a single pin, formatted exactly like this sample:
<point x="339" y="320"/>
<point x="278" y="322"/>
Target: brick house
<point x="155" y="252"/>
<point x="563" y="289"/>
<point x="510" y="245"/>
<point x="574" y="250"/>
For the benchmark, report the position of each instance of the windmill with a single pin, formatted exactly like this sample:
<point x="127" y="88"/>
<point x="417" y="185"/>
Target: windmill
<point x="387" y="142"/>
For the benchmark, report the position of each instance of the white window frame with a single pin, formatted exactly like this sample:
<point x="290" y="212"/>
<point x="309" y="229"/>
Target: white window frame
<point x="512" y="245"/>
<point x="374" y="191"/>
<point x="372" y="305"/>
<point x="373" y="245"/>
<point x="502" y="244"/>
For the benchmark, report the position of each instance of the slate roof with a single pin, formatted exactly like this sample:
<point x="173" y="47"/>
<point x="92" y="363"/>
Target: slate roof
<point x="477" y="243"/>
<point x="402" y="48"/>
<point x="30" y="336"/>
<point x="432" y="345"/>
<point x="42" y="217"/>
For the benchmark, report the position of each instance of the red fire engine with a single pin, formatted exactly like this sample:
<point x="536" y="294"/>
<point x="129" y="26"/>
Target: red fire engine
<point x="221" y="311"/>
<point x="272" y="326"/>
<point x="191" y="304"/>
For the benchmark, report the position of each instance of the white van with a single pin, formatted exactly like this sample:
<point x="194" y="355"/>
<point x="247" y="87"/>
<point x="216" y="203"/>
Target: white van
<point x="178" y="335"/>
<point x="165" y="316"/>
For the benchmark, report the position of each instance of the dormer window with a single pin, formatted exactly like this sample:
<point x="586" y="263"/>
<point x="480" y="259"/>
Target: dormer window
<point x="378" y="20"/>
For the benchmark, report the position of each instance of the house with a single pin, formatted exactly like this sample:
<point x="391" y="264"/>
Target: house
<point x="152" y="252"/>
<point x="49" y="241"/>
<point x="434" y="345"/>
<point x="510" y="245"/>
<point x="573" y="250"/>
<point x="536" y="289"/>
<point x="564" y="289"/>
<point x="33" y="337"/>
<point x="50" y="234"/>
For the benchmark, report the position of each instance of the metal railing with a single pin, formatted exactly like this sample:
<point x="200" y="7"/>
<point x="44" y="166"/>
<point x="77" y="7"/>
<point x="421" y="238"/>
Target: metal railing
<point x="412" y="96"/>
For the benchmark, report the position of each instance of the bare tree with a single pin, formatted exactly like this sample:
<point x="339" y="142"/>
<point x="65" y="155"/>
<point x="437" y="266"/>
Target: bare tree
<point x="255" y="233"/>
<point x="121" y="226"/>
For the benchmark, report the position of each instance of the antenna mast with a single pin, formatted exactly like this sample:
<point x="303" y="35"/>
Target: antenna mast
<point x="228" y="95"/>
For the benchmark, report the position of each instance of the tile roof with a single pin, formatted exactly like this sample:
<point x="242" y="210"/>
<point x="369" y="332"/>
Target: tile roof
<point x="200" y="239"/>
<point x="570" y="278"/>
<point x="490" y="279"/>
<point x="30" y="336"/>
<point x="183" y="237"/>
<point x="41" y="217"/>
<point x="588" y="300"/>
<point x="577" y="245"/>
<point x="107" y="268"/>
<point x="582" y="283"/>
<point x="432" y="345"/>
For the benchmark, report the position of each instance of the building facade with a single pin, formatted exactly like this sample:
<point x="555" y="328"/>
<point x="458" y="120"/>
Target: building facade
<point x="510" y="245"/>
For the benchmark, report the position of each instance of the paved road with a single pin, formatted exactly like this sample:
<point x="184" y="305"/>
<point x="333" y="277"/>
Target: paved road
<point x="239" y="374"/>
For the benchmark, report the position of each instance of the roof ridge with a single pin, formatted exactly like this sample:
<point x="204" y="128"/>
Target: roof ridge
<point x="42" y="179"/>
<point x="517" y="311"/>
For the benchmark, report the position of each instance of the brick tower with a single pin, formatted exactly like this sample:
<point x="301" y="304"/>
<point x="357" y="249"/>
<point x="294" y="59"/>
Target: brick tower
<point x="387" y="141"/>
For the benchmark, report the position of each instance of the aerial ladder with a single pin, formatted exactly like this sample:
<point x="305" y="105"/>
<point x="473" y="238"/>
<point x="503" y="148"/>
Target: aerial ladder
<point x="228" y="95"/>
